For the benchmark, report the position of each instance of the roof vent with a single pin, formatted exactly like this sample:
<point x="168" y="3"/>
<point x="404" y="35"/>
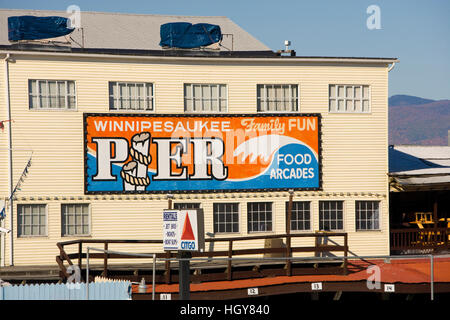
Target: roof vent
<point x="286" y="51"/>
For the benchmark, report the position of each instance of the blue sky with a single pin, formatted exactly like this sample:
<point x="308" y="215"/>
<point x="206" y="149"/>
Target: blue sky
<point x="416" y="32"/>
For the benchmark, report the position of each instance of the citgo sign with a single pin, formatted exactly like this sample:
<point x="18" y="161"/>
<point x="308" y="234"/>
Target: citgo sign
<point x="183" y="230"/>
<point x="201" y="153"/>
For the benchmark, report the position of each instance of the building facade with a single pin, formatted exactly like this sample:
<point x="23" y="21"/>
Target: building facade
<point x="51" y="93"/>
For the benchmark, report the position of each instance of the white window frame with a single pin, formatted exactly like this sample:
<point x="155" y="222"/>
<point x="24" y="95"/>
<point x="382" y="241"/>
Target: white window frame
<point x="215" y="213"/>
<point x="250" y="221"/>
<point x="352" y="100"/>
<point x="148" y="98"/>
<point x="64" y="224"/>
<point x="260" y="102"/>
<point x="329" y="220"/>
<point x="298" y="221"/>
<point x="38" y="95"/>
<point x="375" y="215"/>
<point x="191" y="86"/>
<point x="21" y="225"/>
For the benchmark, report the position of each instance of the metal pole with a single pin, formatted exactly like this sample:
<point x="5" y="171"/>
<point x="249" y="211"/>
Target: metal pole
<point x="154" y="275"/>
<point x="87" y="274"/>
<point x="432" y="276"/>
<point x="10" y="160"/>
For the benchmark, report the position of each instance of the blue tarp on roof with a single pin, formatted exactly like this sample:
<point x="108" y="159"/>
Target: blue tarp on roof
<point x="34" y="28"/>
<point x="187" y="35"/>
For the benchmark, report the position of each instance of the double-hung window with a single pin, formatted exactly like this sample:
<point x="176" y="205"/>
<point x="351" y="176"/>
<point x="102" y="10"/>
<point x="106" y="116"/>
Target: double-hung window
<point x="205" y="97"/>
<point x="300" y="215"/>
<point x="331" y="215"/>
<point x="277" y="97"/>
<point x="259" y="216"/>
<point x="51" y="95"/>
<point x="367" y="215"/>
<point x="31" y="220"/>
<point x="226" y="217"/>
<point x="131" y="96"/>
<point x="75" y="219"/>
<point x="349" y="98"/>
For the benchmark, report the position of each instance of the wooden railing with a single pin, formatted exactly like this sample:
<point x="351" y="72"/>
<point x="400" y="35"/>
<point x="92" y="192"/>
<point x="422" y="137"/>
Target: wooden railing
<point x="287" y="251"/>
<point x="432" y="238"/>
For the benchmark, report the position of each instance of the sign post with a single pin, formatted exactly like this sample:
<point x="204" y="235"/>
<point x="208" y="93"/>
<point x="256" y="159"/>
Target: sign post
<point x="184" y="231"/>
<point x="184" y="274"/>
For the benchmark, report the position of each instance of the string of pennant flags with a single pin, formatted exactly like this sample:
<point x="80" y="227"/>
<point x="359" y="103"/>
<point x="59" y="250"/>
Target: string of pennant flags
<point x="18" y="185"/>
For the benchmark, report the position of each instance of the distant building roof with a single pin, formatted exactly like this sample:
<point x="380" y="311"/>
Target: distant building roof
<point x="103" y="30"/>
<point x="419" y="167"/>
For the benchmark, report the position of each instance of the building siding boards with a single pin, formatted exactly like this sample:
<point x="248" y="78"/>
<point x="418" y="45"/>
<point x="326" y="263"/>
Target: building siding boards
<point x="354" y="146"/>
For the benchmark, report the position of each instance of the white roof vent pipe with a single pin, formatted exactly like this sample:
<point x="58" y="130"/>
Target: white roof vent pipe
<point x="286" y="51"/>
<point x="287" y="43"/>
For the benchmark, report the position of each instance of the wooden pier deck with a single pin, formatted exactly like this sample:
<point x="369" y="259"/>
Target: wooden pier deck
<point x="405" y="276"/>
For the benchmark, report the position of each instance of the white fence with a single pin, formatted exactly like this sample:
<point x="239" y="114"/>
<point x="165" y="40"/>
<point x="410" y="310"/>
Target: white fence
<point x="105" y="290"/>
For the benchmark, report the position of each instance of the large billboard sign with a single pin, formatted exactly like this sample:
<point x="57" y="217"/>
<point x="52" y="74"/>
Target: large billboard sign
<point x="130" y="153"/>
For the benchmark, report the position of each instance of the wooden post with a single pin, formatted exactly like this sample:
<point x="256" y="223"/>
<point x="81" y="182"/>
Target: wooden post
<point x="289" y="213"/>
<point x="105" y="261"/>
<point x="434" y="239"/>
<point x="80" y="252"/>
<point x="184" y="275"/>
<point x="446" y="235"/>
<point x="169" y="201"/>
<point x="230" y="254"/>
<point x="316" y="245"/>
<point x="345" y="253"/>
<point x="167" y="266"/>
<point x="288" y="232"/>
<point x="289" y="254"/>
<point x="435" y="210"/>
<point x="446" y="222"/>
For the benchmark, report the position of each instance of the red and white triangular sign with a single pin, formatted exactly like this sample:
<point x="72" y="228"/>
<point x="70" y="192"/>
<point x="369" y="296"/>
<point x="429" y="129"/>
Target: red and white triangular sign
<point x="187" y="234"/>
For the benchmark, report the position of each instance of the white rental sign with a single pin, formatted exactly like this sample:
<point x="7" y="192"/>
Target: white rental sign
<point x="170" y="229"/>
<point x="183" y="230"/>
